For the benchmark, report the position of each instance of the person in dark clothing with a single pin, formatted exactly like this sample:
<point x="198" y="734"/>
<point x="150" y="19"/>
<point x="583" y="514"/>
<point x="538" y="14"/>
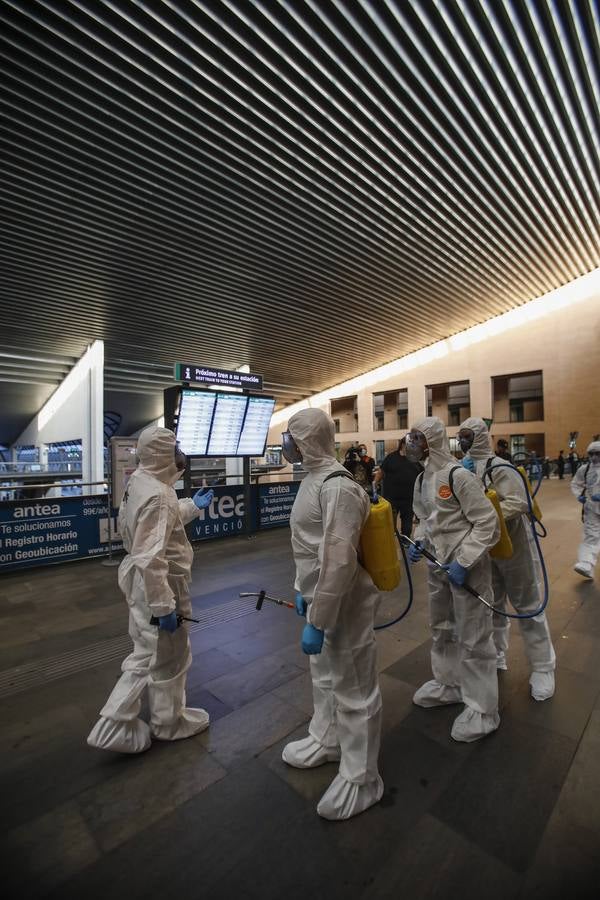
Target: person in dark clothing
<point x="561" y="464"/>
<point x="573" y="463"/>
<point x="399" y="476"/>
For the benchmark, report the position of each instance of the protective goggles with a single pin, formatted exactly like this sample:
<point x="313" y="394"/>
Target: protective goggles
<point x="416" y="446"/>
<point x="289" y="448"/>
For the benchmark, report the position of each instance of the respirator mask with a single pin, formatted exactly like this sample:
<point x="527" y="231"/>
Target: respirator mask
<point x="465" y="439"/>
<point x="416" y="448"/>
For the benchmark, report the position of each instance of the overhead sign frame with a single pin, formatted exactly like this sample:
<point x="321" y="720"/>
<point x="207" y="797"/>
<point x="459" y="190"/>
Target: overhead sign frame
<point x="195" y="374"/>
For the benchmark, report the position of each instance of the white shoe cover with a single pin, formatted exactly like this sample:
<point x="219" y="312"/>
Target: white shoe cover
<point x="471" y="725"/>
<point x="343" y="799"/>
<point x="190" y="722"/>
<point x="583" y="568"/>
<point x="121" y="737"/>
<point x="542" y="685"/>
<point x="501" y="660"/>
<point x="432" y="693"/>
<point x="309" y="753"/>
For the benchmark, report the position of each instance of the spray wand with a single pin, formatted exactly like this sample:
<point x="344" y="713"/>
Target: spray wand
<point x="262" y="596"/>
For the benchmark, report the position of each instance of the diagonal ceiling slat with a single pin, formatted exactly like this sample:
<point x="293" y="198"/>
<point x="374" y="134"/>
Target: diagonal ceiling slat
<point x="248" y="181"/>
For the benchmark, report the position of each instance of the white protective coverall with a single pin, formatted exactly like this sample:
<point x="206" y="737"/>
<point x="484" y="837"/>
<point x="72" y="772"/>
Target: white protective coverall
<point x="462" y="528"/>
<point x="517" y="579"/>
<point x="326" y="523"/>
<point x="587" y="479"/>
<point x="155" y="577"/>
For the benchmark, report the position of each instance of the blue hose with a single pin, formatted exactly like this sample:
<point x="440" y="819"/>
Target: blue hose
<point x="410" y="588"/>
<point x="534" y="522"/>
<point x="540" y="479"/>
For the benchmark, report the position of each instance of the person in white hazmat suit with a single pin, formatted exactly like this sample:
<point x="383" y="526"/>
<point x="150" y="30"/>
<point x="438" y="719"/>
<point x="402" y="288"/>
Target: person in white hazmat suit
<point x="459" y="525"/>
<point x="339" y="599"/>
<point x="518" y="578"/>
<point x="154" y="576"/>
<point x="586" y="486"/>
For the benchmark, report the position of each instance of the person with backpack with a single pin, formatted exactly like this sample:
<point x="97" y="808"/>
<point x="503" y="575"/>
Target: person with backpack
<point x="458" y="524"/>
<point x="516" y="579"/>
<point x="338" y="598"/>
<point x="586" y="487"/>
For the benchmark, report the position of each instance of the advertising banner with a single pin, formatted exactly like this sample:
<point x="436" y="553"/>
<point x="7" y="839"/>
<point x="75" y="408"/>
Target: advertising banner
<point x="224" y="517"/>
<point x="37" y="532"/>
<point x="276" y="501"/>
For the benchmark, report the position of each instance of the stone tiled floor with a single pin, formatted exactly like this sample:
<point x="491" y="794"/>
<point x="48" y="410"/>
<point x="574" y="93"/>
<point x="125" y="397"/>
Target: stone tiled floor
<point x="220" y="815"/>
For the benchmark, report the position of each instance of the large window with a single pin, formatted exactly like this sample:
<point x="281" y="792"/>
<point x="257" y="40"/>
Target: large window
<point x="449" y="402"/>
<point x="523" y="445"/>
<point x="344" y="414"/>
<point x="382" y="448"/>
<point x="518" y="398"/>
<point x="390" y="410"/>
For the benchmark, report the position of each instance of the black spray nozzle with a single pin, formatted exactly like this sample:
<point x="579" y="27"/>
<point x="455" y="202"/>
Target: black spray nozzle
<point x="180" y="619"/>
<point x="262" y="596"/>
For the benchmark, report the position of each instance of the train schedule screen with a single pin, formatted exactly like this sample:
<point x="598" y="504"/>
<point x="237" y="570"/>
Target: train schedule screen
<point x="219" y="423"/>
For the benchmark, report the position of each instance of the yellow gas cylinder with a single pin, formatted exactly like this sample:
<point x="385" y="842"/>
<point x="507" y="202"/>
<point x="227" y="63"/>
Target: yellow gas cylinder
<point x="378" y="547"/>
<point x="504" y="548"/>
<point x="534" y="504"/>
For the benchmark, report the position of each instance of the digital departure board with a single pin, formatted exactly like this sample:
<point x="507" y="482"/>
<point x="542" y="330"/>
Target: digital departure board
<point x="219" y="423"/>
<point x="195" y="418"/>
<point x="256" y="426"/>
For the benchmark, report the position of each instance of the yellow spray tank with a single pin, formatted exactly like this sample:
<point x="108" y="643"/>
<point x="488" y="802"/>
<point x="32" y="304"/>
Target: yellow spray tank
<point x="379" y="548"/>
<point x="504" y="548"/>
<point x="534" y="504"/>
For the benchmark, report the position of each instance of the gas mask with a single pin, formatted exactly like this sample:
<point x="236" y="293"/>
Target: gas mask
<point x="594" y="457"/>
<point x="465" y="439"/>
<point x="289" y="448"/>
<point x="416" y="448"/>
<point x="180" y="460"/>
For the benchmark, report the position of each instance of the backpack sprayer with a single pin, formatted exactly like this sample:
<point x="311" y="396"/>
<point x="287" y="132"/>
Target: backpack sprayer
<point x="534" y="515"/>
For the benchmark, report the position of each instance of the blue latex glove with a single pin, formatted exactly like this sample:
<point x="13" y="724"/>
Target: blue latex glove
<point x="301" y="604"/>
<point x="581" y="498"/>
<point x="415" y="552"/>
<point x="596" y="498"/>
<point x="203" y="497"/>
<point x="468" y="463"/>
<point x="168" y="623"/>
<point x="312" y="640"/>
<point x="457" y="574"/>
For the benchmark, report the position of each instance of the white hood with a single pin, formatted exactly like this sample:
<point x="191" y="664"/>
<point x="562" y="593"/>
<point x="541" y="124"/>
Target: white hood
<point x="482" y="446"/>
<point x="156" y="453"/>
<point x="314" y="433"/>
<point x="594" y="447"/>
<point x="437" y="441"/>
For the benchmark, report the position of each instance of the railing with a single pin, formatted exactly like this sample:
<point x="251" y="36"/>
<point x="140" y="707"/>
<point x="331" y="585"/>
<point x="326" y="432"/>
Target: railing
<point x="32" y="485"/>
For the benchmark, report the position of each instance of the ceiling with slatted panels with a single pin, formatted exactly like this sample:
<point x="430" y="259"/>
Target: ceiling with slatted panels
<point x="312" y="187"/>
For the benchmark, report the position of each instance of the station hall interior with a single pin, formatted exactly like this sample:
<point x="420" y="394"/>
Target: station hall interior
<point x="238" y="220"/>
